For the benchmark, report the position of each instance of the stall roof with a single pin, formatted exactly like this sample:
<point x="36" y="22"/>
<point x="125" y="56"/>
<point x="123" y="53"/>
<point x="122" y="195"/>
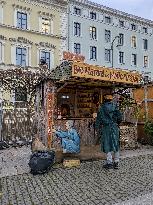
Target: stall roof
<point x="81" y="74"/>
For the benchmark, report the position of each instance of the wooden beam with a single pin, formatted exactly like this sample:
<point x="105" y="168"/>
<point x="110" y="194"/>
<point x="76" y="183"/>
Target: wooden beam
<point x="62" y="87"/>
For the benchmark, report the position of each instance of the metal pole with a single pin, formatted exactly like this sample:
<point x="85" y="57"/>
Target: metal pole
<point x="112" y="44"/>
<point x="112" y="54"/>
<point x="146" y="101"/>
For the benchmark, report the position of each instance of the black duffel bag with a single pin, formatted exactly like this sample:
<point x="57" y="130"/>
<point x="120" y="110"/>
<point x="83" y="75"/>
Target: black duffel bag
<point x="41" y="161"/>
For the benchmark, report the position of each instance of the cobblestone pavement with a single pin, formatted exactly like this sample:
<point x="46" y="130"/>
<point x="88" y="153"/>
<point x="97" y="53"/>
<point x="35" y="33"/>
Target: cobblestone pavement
<point x="88" y="185"/>
<point x="14" y="161"/>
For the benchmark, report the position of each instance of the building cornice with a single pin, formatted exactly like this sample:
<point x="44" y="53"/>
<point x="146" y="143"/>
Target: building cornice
<point x="16" y="6"/>
<point x="46" y="14"/>
<point x="54" y="4"/>
<point x="2" y="2"/>
<point x="34" y="32"/>
<point x="112" y="11"/>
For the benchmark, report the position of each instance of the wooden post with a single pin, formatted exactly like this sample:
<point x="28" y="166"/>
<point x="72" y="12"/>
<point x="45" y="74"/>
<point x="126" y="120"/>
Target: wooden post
<point x="50" y="112"/>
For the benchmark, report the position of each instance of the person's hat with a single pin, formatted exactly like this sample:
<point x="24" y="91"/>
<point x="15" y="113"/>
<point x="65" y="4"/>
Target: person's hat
<point x="108" y="97"/>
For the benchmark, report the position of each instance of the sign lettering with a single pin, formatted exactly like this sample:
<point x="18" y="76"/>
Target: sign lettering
<point x="72" y="56"/>
<point x="106" y="74"/>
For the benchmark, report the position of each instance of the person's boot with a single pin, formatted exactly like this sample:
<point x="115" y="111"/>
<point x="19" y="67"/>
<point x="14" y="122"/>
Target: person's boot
<point x="116" y="165"/>
<point x="108" y="166"/>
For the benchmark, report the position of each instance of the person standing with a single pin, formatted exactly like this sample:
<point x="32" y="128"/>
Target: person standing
<point x="108" y="119"/>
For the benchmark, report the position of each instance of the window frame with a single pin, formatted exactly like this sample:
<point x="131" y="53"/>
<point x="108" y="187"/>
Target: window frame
<point x="133" y="27"/>
<point x="107" y="34"/>
<point x="21" y="19"/>
<point x="121" y="57"/>
<point x="134" y="60"/>
<point x="93" y="54"/>
<point x="22" y="11"/>
<point x="145" y="66"/>
<point x="46" y="52"/>
<point x="24" y="95"/>
<point x="145" y="44"/>
<point x="76" y="48"/>
<point x="121" y="39"/>
<point x="108" y="19"/>
<point x="133" y="42"/>
<point x="93" y="15"/>
<point x="75" y="29"/>
<point x="145" y="29"/>
<point x="49" y="25"/>
<point x="107" y="55"/>
<point x="76" y="9"/>
<point x="1" y="12"/>
<point x="93" y="33"/>
<point x="1" y="52"/>
<point x="21" y="55"/>
<point x="120" y="23"/>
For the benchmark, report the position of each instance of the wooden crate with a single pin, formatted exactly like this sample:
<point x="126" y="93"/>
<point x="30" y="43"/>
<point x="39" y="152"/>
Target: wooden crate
<point x="71" y="163"/>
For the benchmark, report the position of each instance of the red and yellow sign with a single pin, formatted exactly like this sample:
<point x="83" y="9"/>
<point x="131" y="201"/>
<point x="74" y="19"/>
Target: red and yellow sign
<point x="73" y="57"/>
<point x="106" y="74"/>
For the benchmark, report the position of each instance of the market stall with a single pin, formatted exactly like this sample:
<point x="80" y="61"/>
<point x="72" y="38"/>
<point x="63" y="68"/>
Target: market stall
<point x="75" y="92"/>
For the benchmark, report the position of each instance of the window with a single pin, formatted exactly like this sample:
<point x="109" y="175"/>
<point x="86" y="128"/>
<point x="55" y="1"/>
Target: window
<point x="134" y="59"/>
<point x="20" y="94"/>
<point x="133" y="26"/>
<point x="21" y="55"/>
<point x="1" y="12"/>
<point x="45" y="55"/>
<point x="21" y="20"/>
<point x="144" y="29"/>
<point x="93" y="15"/>
<point x="1" y="57"/>
<point x="133" y="41"/>
<point x="107" y="19"/>
<point x="145" y="44"/>
<point x="77" y="29"/>
<point x="77" y="11"/>
<point x="107" y="36"/>
<point x="93" y="53"/>
<point x="121" y="39"/>
<point x="121" y="23"/>
<point x="45" y="25"/>
<point x="145" y="61"/>
<point x="107" y="55"/>
<point x="121" y="57"/>
<point x="93" y="33"/>
<point x="77" y="48"/>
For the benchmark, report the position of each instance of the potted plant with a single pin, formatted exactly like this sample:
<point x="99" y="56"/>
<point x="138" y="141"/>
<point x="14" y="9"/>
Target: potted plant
<point x="148" y="128"/>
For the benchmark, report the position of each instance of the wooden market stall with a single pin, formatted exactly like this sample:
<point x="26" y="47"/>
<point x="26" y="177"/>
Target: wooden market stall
<point x="75" y="92"/>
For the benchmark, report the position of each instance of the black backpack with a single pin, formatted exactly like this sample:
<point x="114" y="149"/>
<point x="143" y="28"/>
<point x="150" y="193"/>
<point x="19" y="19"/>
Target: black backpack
<point x="41" y="161"/>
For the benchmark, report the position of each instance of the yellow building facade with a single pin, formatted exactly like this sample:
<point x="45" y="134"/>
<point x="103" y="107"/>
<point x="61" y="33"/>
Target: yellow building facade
<point x="32" y="30"/>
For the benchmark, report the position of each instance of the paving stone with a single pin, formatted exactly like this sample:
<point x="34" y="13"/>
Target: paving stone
<point x="90" y="184"/>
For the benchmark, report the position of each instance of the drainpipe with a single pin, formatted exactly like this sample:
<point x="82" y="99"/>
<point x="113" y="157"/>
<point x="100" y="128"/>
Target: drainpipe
<point x="68" y="25"/>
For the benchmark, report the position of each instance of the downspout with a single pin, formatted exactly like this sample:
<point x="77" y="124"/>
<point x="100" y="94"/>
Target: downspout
<point x="68" y="29"/>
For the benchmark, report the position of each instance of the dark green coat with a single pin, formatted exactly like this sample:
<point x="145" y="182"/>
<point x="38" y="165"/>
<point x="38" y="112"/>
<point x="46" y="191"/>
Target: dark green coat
<point x="107" y="121"/>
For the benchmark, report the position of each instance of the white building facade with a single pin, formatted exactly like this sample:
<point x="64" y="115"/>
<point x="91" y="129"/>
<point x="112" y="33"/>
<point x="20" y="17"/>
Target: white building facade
<point x="110" y="38"/>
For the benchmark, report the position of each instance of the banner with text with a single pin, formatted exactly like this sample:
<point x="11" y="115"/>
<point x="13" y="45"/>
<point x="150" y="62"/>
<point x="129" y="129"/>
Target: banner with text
<point x="106" y="74"/>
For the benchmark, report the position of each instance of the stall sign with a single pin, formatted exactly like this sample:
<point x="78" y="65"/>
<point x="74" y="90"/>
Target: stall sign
<point x="73" y="57"/>
<point x="50" y="107"/>
<point x="106" y="74"/>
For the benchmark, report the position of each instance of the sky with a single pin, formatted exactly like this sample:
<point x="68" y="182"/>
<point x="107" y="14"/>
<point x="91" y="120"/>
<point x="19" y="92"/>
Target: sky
<point x="141" y="8"/>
